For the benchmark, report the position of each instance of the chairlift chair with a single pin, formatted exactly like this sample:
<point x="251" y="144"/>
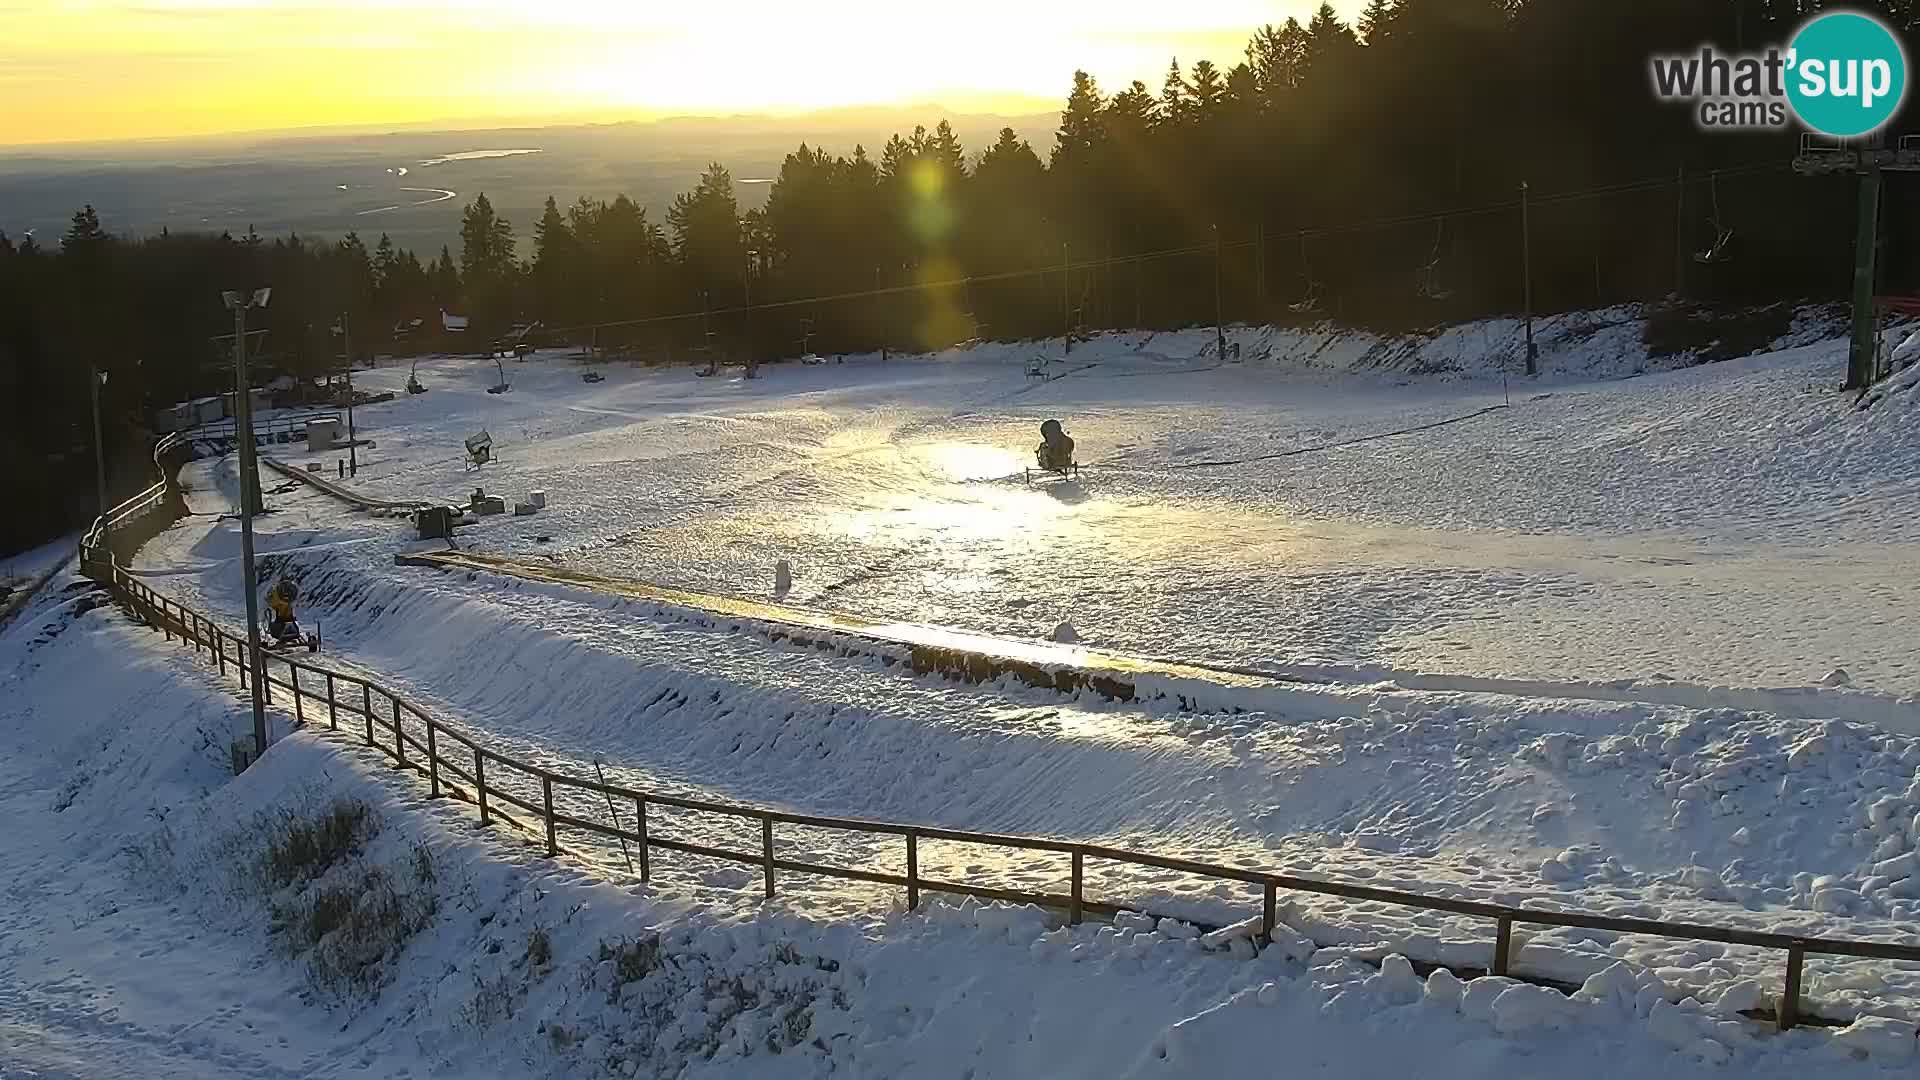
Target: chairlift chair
<point x="1722" y="233"/>
<point x="1309" y="303"/>
<point x="1429" y="284"/>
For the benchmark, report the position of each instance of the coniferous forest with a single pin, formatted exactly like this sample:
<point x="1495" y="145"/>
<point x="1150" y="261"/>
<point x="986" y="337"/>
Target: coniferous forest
<point x="1368" y="173"/>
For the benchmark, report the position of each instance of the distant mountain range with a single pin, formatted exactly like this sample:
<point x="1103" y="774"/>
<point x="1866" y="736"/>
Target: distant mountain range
<point x="412" y="183"/>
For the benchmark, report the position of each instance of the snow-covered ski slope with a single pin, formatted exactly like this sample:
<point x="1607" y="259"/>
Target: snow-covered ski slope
<point x="125" y="950"/>
<point x="1736" y="523"/>
<point x="1678" y="810"/>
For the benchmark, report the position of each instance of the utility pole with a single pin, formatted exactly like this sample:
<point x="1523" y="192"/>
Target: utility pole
<point x="1066" y="299"/>
<point x="94" y="379"/>
<point x="346" y="343"/>
<point x="1526" y="272"/>
<point x="1862" y="356"/>
<point x="1260" y="269"/>
<point x="249" y="501"/>
<point x="1219" y="320"/>
<point x="1680" y="233"/>
<point x="746" y="312"/>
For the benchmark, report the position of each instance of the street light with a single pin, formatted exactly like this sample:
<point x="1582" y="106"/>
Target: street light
<point x="346" y="344"/>
<point x="238" y="303"/>
<point x="95" y="380"/>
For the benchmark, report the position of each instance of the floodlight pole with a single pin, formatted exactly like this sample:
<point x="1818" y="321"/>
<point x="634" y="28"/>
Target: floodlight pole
<point x="346" y="345"/>
<point x="1862" y="356"/>
<point x="99" y="447"/>
<point x="1066" y="298"/>
<point x="1526" y="272"/>
<point x="1219" y="319"/>
<point x="243" y="397"/>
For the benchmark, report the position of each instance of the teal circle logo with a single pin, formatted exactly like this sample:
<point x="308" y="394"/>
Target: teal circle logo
<point x="1847" y="74"/>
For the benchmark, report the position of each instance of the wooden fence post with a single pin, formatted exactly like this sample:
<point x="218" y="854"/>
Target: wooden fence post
<point x="1073" y="909"/>
<point x="1268" y="914"/>
<point x="766" y="846"/>
<point x="480" y="781"/>
<point x="299" y="709"/>
<point x="553" y="843"/>
<point x="366" y="709"/>
<point x="399" y="742"/>
<point x="433" y="763"/>
<point x="640" y="813"/>
<point x="333" y="709"/>
<point x="1502" y="944"/>
<point x="220" y="650"/>
<point x="1788" y="1013"/>
<point x="913" y="872"/>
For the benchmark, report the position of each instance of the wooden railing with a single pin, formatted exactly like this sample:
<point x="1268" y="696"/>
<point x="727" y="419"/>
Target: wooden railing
<point x="445" y="755"/>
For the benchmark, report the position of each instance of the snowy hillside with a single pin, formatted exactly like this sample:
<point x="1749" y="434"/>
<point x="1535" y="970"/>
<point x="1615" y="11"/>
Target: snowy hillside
<point x="1575" y="648"/>
<point x="158" y="959"/>
<point x="1742" y="519"/>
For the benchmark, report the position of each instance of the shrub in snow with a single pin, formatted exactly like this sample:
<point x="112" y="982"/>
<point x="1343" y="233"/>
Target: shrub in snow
<point x="351" y="920"/>
<point x="539" y="948"/>
<point x="303" y="846"/>
<point x="1065" y="634"/>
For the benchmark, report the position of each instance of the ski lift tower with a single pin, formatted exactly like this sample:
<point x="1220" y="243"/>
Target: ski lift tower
<point x="1870" y="160"/>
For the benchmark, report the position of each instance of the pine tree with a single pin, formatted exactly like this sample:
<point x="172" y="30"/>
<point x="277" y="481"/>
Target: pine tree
<point x="443" y="281"/>
<point x="944" y="151"/>
<point x="1278" y="57"/>
<point x="707" y="238"/>
<point x="85" y="235"/>
<point x="1208" y="91"/>
<point x="1330" y="44"/>
<point x="384" y="260"/>
<point x="1176" y="101"/>
<point x="486" y="242"/>
<point x="552" y="240"/>
<point x="1376" y="21"/>
<point x="1080" y="127"/>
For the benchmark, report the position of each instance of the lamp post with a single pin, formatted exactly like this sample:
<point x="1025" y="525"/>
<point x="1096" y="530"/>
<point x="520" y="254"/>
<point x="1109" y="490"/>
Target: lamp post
<point x="1526" y="274"/>
<point x="95" y="380"/>
<point x="238" y="303"/>
<point x="346" y="347"/>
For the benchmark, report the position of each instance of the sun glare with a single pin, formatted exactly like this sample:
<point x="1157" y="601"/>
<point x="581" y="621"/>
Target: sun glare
<point x="99" y="70"/>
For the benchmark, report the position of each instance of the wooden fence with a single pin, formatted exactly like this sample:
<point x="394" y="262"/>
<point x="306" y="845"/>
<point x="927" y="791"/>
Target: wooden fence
<point x="446" y="755"/>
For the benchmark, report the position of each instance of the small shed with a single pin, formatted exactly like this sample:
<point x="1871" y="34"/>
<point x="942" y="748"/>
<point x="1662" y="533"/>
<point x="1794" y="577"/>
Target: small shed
<point x="173" y="418"/>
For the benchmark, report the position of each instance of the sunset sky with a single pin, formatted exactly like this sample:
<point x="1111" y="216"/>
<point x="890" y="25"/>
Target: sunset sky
<point x="98" y="70"/>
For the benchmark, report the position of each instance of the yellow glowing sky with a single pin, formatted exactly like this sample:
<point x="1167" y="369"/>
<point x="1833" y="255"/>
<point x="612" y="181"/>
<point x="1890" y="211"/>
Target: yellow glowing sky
<point x="98" y="70"/>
